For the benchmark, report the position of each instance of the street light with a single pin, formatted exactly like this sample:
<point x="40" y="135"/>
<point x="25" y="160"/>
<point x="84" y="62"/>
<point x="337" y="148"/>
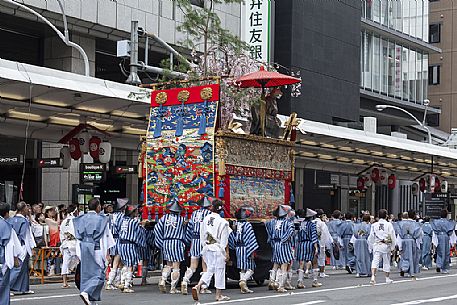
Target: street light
<point x="422" y="124"/>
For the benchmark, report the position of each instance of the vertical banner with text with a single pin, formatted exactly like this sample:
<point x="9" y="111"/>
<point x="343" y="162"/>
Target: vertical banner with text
<point x="256" y="28"/>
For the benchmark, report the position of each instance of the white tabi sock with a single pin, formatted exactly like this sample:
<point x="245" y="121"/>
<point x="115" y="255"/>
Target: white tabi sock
<point x="249" y="273"/>
<point x="188" y="275"/>
<point x="112" y="275"/>
<point x="301" y="275"/>
<point x="242" y="276"/>
<point x="278" y="275"/>
<point x="128" y="279"/>
<point x="174" y="278"/>
<point x="117" y="278"/>
<point x="166" y="272"/>
<point x="272" y="275"/>
<point x="315" y="274"/>
<point x="123" y="275"/>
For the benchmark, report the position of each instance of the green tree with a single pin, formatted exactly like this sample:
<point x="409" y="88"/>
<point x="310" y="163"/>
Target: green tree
<point x="203" y="25"/>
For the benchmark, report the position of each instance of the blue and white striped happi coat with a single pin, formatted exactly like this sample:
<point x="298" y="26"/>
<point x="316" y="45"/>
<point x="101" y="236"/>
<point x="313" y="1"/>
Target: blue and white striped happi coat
<point x="145" y="252"/>
<point x="115" y="225"/>
<point x="193" y="231"/>
<point x="132" y="237"/>
<point x="280" y="234"/>
<point x="307" y="238"/>
<point x="244" y="242"/>
<point x="170" y="237"/>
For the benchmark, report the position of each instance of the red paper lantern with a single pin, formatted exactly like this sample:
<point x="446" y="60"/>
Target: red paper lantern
<point x="437" y="185"/>
<point x="422" y="184"/>
<point x="75" y="151"/>
<point x="375" y="175"/>
<point x="360" y="183"/>
<point x="391" y="182"/>
<point x="94" y="147"/>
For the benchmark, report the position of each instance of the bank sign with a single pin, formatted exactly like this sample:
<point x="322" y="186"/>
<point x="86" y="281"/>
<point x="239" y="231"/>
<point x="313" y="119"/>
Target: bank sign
<point x="256" y="28"/>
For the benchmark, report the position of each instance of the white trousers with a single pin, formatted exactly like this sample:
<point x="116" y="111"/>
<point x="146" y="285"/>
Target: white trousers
<point x="215" y="262"/>
<point x="377" y="256"/>
<point x="69" y="261"/>
<point x="321" y="256"/>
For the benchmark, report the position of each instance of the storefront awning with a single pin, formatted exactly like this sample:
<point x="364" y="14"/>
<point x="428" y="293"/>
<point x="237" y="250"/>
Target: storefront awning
<point x="345" y="150"/>
<point x="55" y="101"/>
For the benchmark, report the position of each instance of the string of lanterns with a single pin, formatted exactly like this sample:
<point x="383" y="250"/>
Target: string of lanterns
<point x="429" y="183"/>
<point x="84" y="143"/>
<point x="376" y="176"/>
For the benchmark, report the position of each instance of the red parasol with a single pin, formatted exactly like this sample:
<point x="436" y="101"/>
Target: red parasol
<point x="265" y="79"/>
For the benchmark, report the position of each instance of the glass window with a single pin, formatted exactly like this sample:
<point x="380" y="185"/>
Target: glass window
<point x="398" y="14"/>
<point x="398" y="69"/>
<point x="425" y="74"/>
<point x="392" y="77"/>
<point x="363" y="7"/>
<point x="419" y="90"/>
<point x="404" y="71"/>
<point x="362" y="61"/>
<point x="434" y="75"/>
<point x="412" y="16"/>
<point x="369" y="9"/>
<point x="419" y="19"/>
<point x="377" y="10"/>
<point x="368" y="58"/>
<point x="376" y="64"/>
<point x="412" y="75"/>
<point x="384" y="65"/>
<point x="425" y="21"/>
<point x="405" y="15"/>
<point x="384" y="12"/>
<point x="434" y="35"/>
<point x="391" y="13"/>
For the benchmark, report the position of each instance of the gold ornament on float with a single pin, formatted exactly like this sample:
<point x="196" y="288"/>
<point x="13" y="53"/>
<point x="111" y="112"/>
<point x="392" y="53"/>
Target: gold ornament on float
<point x="183" y="96"/>
<point x="161" y="98"/>
<point x="206" y="94"/>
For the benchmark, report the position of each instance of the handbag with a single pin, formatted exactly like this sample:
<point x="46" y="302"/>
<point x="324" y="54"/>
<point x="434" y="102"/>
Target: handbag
<point x="40" y="240"/>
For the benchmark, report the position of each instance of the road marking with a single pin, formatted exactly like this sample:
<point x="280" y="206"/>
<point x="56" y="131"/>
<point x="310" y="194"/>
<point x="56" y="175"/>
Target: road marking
<point x="326" y="290"/>
<point x="44" y="298"/>
<point x="440" y="299"/>
<point x="312" y="302"/>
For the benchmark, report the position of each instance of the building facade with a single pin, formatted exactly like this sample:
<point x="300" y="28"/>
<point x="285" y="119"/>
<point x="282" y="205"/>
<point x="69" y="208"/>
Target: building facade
<point x="353" y="55"/>
<point x="443" y="67"/>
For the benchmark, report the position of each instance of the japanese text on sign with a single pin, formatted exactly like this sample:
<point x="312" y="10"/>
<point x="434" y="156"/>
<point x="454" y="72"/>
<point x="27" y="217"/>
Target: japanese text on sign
<point x="256" y="28"/>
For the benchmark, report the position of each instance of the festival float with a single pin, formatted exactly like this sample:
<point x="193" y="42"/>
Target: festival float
<point x="187" y="155"/>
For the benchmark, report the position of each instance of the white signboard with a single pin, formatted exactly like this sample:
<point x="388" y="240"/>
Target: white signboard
<point x="255" y="28"/>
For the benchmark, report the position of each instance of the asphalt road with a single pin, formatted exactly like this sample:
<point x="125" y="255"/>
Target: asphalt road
<point x="339" y="288"/>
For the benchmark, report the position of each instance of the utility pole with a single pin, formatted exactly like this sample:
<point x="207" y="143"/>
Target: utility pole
<point x="133" y="78"/>
<point x="139" y="66"/>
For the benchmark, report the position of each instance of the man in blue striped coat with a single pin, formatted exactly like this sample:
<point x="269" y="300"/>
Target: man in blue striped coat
<point x="244" y="242"/>
<point x="307" y="247"/>
<point x="131" y="239"/>
<point x="114" y="276"/>
<point x="193" y="235"/>
<point x="280" y="235"/>
<point x="146" y="251"/>
<point x="170" y="236"/>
